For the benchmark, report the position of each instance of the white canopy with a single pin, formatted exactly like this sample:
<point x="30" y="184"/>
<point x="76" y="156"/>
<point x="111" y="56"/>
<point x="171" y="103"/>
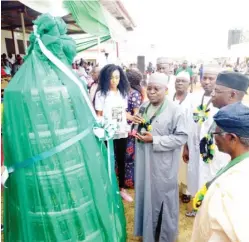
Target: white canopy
<point x="117" y="31"/>
<point x="55" y="8"/>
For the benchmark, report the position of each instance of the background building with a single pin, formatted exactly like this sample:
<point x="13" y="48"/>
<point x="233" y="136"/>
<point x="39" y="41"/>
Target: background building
<point x="237" y="36"/>
<point x="96" y="29"/>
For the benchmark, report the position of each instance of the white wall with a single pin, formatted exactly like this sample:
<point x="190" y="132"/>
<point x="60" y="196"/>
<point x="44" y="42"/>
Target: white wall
<point x="92" y="53"/>
<point x="7" y="34"/>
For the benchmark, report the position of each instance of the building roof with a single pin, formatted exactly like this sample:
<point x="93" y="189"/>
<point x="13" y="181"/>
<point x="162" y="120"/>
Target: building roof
<point x="10" y="18"/>
<point x="117" y="9"/>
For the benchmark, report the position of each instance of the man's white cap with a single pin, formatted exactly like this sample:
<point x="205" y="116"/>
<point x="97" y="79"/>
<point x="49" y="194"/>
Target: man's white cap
<point x="159" y="78"/>
<point x="214" y="69"/>
<point x="183" y="75"/>
<point x="162" y="60"/>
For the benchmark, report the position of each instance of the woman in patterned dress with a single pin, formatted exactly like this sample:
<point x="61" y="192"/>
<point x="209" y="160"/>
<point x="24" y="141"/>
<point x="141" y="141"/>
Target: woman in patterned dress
<point x="134" y="102"/>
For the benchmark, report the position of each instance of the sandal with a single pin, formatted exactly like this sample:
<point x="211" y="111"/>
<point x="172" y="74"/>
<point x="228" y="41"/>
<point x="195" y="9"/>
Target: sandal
<point x="190" y="214"/>
<point x="186" y="198"/>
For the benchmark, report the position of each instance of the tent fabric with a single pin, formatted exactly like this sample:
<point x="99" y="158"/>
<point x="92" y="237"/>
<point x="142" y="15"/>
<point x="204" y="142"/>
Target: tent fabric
<point x="117" y="31"/>
<point x="89" y="16"/>
<point x="89" y="42"/>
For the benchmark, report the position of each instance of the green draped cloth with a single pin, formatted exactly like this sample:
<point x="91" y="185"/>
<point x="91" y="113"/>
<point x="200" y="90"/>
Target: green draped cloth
<point x="60" y="195"/>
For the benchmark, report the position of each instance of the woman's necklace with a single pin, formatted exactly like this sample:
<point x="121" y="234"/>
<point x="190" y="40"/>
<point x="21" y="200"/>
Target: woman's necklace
<point x="184" y="97"/>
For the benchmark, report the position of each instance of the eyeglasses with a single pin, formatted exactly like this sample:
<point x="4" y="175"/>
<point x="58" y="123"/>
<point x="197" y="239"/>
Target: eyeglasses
<point x="218" y="133"/>
<point x="219" y="92"/>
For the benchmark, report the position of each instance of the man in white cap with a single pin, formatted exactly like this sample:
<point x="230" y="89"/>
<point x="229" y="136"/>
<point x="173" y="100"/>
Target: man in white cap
<point x="202" y="168"/>
<point x="164" y="66"/>
<point x="186" y="68"/>
<point x="181" y="94"/>
<point x="161" y="134"/>
<point x="183" y="98"/>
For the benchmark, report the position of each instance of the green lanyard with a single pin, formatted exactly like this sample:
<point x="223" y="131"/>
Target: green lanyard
<point x="229" y="165"/>
<point x="158" y="112"/>
<point x="233" y="163"/>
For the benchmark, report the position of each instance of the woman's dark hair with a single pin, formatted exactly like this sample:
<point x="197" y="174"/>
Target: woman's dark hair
<point x="135" y="77"/>
<point x="105" y="78"/>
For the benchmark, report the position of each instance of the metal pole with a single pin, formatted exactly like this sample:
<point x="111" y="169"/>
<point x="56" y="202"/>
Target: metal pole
<point x="13" y="38"/>
<point x="117" y="49"/>
<point x="98" y="38"/>
<point x="23" y="32"/>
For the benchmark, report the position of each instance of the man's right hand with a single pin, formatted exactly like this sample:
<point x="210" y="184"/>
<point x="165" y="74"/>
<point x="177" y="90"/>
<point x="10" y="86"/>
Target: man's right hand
<point x="137" y="119"/>
<point x="185" y="154"/>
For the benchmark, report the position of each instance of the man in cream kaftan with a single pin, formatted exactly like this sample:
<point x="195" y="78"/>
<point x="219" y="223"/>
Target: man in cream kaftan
<point x="223" y="214"/>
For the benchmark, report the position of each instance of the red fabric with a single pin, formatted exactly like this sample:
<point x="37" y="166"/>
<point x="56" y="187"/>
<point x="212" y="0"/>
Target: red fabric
<point x="3" y="73"/>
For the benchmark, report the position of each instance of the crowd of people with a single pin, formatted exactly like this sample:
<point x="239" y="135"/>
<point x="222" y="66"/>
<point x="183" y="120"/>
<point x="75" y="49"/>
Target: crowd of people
<point x="83" y="69"/>
<point x="11" y="64"/>
<point x="169" y="135"/>
<point x="173" y="144"/>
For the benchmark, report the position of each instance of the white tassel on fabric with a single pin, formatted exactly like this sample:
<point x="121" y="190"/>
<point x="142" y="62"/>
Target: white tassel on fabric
<point x="64" y="69"/>
<point x="69" y="73"/>
<point x="4" y="176"/>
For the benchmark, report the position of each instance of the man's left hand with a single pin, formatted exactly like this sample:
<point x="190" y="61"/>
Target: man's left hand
<point x="146" y="137"/>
